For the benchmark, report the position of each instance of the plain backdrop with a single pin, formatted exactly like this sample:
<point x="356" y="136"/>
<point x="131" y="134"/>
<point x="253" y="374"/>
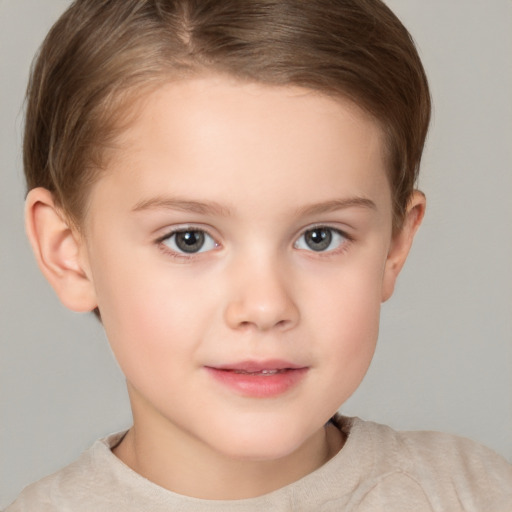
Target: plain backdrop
<point x="444" y="360"/>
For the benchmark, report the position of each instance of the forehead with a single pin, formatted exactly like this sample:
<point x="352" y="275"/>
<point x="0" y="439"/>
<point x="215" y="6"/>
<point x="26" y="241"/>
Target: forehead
<point x="218" y="135"/>
<point x="221" y="101"/>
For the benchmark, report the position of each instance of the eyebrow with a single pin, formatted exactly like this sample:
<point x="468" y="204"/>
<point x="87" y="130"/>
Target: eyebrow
<point x="171" y="203"/>
<point x="337" y="204"/>
<point x="213" y="208"/>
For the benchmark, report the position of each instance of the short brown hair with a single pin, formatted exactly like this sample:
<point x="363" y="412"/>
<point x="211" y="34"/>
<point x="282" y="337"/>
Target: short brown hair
<point x="102" y="52"/>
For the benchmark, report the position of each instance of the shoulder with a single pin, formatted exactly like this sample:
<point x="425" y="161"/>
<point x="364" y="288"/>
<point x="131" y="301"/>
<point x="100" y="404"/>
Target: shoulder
<point x="70" y="488"/>
<point x="443" y="470"/>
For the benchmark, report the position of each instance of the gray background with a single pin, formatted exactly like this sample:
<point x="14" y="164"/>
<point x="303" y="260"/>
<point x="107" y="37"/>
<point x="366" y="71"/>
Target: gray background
<point x="445" y="356"/>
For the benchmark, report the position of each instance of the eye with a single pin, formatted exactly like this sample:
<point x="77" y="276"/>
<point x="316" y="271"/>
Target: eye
<point x="321" y="239"/>
<point x="189" y="241"/>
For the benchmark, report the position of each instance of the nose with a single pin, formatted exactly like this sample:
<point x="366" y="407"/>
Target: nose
<point x="261" y="299"/>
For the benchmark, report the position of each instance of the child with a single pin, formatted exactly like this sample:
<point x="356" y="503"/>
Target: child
<point x="230" y="187"/>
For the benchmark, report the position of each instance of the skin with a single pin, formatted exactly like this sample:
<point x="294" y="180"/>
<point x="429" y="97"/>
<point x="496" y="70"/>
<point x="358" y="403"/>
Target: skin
<point x="255" y="167"/>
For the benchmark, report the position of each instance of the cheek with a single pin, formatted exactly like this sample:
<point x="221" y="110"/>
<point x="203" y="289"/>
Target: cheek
<point x="348" y="300"/>
<point x="150" y="316"/>
<point x="353" y="331"/>
<point x="348" y="325"/>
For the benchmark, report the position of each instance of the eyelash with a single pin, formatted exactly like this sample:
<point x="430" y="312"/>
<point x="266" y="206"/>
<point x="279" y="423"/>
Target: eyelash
<point x="343" y="246"/>
<point x="183" y="256"/>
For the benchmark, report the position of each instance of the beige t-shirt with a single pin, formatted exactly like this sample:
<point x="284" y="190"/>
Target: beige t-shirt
<point x="378" y="469"/>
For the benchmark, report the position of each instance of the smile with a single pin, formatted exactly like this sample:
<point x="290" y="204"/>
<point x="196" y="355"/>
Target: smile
<point x="259" y="379"/>
<point x="262" y="372"/>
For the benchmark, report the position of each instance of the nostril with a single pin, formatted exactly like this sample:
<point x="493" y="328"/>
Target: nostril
<point x="261" y="309"/>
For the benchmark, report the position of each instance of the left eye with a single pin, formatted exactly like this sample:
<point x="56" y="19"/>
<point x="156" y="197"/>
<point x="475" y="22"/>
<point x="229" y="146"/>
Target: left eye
<point x="320" y="239"/>
<point x="190" y="241"/>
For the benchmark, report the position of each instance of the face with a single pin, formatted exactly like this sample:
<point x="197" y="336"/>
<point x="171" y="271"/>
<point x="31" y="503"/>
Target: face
<point x="238" y="245"/>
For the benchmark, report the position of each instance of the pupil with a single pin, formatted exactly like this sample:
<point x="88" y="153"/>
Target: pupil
<point x="190" y="241"/>
<point x="318" y="239"/>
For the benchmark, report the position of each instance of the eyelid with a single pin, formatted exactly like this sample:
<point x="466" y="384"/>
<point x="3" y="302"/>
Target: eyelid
<point x="171" y="231"/>
<point x="348" y="239"/>
<point x="180" y="229"/>
<point x="326" y="225"/>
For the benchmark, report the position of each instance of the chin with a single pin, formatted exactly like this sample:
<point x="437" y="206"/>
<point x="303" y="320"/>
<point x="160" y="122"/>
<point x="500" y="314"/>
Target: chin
<point x="261" y="442"/>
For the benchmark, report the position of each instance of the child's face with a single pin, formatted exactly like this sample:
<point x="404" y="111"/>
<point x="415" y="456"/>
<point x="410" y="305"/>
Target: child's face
<point x="283" y="212"/>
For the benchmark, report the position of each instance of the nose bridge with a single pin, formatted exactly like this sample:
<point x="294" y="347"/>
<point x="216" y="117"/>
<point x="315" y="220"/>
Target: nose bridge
<point x="261" y="296"/>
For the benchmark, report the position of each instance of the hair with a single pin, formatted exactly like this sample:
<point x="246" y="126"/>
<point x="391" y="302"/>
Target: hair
<point x="102" y="54"/>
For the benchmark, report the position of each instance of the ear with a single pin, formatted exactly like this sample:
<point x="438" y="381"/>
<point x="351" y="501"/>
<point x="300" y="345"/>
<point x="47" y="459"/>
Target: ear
<point x="58" y="251"/>
<point x="401" y="242"/>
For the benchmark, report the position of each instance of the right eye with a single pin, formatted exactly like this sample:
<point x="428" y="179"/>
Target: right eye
<point x="189" y="241"/>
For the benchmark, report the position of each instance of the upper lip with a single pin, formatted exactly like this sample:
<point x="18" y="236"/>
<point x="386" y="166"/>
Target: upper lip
<point x="258" y="366"/>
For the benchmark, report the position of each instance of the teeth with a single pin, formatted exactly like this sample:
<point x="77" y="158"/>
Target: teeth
<point x="262" y="372"/>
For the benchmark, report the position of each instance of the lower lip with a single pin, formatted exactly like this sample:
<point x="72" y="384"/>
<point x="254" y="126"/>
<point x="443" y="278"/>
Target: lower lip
<point x="258" y="385"/>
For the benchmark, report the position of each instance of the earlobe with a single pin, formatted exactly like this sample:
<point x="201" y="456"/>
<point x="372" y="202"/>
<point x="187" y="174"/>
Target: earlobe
<point x="57" y="248"/>
<point x="402" y="241"/>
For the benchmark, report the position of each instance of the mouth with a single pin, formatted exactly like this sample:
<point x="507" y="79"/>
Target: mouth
<point x="267" y="366"/>
<point x="263" y="379"/>
<point x="261" y="372"/>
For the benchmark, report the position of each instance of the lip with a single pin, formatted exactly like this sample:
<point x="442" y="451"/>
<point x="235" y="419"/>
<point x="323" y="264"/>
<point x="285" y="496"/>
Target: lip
<point x="259" y="379"/>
